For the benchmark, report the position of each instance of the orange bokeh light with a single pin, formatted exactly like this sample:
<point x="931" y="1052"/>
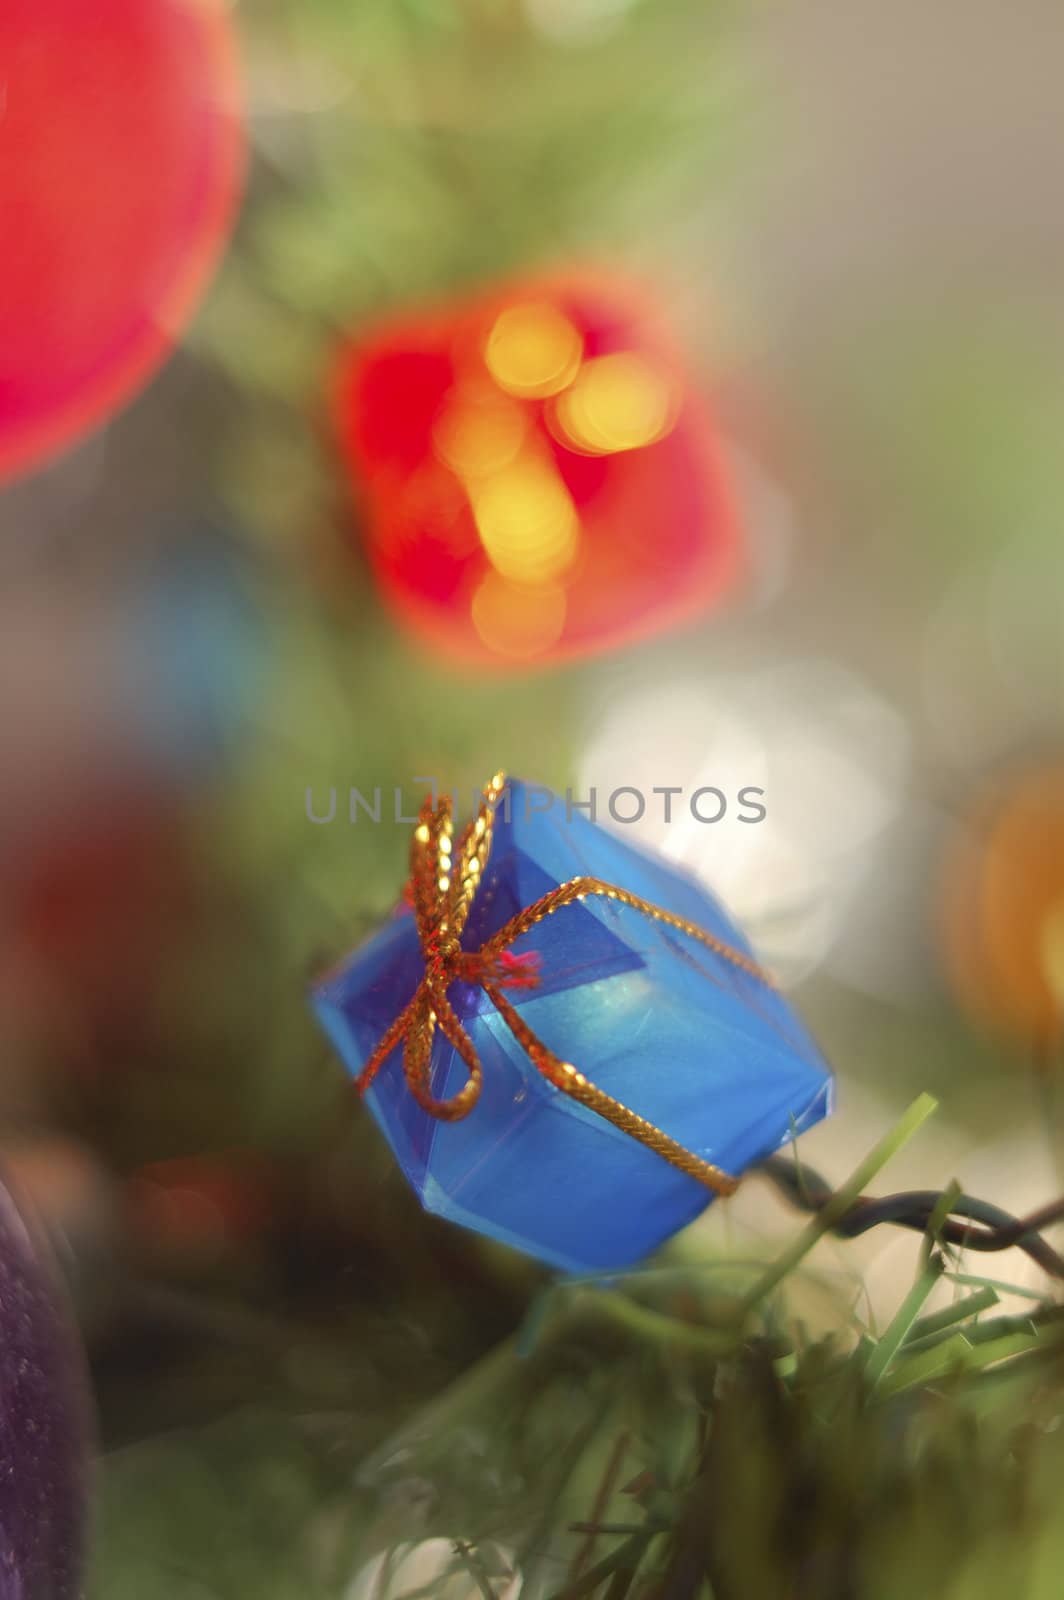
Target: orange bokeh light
<point x="1003" y="909"/>
<point x="539" y="479"/>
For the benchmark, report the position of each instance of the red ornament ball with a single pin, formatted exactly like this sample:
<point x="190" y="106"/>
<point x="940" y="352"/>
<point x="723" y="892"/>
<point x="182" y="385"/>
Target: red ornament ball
<point x="539" y="479"/>
<point x="122" y="154"/>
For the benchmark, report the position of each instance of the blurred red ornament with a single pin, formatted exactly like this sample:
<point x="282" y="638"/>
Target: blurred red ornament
<point x="96" y="910"/>
<point x="122" y="156"/>
<point x="539" y="479"/>
<point x="200" y="1208"/>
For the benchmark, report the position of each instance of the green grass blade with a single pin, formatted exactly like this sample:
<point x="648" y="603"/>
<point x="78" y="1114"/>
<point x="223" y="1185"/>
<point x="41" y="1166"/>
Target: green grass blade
<point x="971" y="1280"/>
<point x="884" y="1352"/>
<point x="841" y="1200"/>
<point x="956" y="1357"/>
<point x="933" y="1326"/>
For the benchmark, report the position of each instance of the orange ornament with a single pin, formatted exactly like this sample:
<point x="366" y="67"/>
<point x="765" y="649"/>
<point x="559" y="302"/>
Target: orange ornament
<point x="539" y="479"/>
<point x="1003" y="910"/>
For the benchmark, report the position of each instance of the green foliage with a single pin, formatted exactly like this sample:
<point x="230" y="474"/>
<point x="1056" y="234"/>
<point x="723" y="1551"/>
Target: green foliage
<point x="714" y="1457"/>
<point x="676" y="1432"/>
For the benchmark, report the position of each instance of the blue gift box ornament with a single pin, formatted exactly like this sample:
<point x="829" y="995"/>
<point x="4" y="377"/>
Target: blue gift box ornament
<point x="568" y="1045"/>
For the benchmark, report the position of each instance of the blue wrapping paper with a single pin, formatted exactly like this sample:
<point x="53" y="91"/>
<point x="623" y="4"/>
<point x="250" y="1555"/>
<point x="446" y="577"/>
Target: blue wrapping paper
<point x="700" y="1048"/>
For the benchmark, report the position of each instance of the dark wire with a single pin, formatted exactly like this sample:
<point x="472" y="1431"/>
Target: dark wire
<point x="968" y="1223"/>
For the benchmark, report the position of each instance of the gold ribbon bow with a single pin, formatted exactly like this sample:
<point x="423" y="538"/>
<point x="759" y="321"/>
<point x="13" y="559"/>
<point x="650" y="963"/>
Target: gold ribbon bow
<point x="445" y="874"/>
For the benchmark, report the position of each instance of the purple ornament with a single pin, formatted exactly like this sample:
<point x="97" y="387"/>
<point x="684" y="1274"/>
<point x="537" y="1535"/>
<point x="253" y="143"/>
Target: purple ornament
<point x="44" y="1432"/>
